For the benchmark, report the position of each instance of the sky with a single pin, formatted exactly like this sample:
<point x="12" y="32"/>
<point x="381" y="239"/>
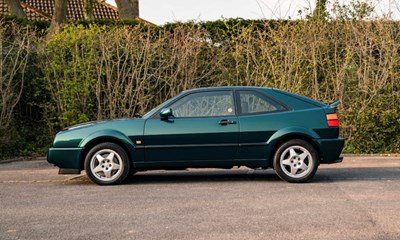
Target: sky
<point x="163" y="11"/>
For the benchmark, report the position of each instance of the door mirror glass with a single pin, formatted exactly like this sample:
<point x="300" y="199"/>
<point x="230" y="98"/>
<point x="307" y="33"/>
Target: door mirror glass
<point x="165" y="113"/>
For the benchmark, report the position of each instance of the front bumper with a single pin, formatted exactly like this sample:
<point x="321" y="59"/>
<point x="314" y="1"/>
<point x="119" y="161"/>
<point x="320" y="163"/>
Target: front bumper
<point x="330" y="150"/>
<point x="68" y="158"/>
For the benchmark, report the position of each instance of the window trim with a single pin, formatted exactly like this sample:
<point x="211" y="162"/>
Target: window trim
<point x="156" y="115"/>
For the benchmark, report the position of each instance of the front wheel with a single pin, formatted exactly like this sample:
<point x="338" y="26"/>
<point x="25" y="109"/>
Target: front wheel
<point x="107" y="164"/>
<point x="296" y="161"/>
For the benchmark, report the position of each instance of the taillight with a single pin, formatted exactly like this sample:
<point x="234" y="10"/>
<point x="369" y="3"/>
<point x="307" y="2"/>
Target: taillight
<point x="333" y="120"/>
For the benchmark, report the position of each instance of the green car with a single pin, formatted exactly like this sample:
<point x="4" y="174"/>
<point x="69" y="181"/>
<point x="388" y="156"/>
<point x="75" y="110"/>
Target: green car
<point x="218" y="127"/>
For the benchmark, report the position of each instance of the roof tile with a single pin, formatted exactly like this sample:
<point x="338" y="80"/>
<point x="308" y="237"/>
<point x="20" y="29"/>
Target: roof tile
<point x="43" y="9"/>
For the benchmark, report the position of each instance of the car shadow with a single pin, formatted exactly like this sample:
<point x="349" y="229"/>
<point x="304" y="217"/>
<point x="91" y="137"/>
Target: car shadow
<point x="323" y="175"/>
<point x="269" y="175"/>
<point x="202" y="176"/>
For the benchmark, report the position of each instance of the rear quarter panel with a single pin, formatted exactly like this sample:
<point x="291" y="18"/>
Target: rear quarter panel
<point x="260" y="133"/>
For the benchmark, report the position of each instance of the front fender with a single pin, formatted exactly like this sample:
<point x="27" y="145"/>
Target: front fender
<point x="109" y="134"/>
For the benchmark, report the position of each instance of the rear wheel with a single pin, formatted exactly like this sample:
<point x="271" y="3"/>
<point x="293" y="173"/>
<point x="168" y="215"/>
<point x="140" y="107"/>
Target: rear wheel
<point x="107" y="164"/>
<point x="296" y="161"/>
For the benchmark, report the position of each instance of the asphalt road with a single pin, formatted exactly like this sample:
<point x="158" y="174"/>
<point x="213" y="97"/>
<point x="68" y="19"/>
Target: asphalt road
<point x="357" y="199"/>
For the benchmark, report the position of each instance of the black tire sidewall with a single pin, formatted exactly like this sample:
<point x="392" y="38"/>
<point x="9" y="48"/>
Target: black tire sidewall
<point x="290" y="143"/>
<point x="124" y="157"/>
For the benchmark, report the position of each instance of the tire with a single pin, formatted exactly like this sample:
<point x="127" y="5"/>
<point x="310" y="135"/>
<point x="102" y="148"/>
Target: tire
<point x="107" y="164"/>
<point x="296" y="161"/>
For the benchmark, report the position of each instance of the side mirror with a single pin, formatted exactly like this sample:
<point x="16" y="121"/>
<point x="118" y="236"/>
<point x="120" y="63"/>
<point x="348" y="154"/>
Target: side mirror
<point x="165" y="113"/>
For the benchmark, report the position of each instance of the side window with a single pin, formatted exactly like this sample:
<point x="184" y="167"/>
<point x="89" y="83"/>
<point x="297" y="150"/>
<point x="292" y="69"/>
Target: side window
<point x="253" y="102"/>
<point x="205" y="104"/>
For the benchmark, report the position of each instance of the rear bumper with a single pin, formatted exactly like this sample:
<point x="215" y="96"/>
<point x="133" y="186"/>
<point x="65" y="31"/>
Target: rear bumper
<point x="66" y="158"/>
<point x="330" y="150"/>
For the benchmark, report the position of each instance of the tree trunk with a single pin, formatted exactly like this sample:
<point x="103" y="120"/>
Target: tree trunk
<point x="59" y="16"/>
<point x="88" y="8"/>
<point x="15" y="8"/>
<point x="128" y="9"/>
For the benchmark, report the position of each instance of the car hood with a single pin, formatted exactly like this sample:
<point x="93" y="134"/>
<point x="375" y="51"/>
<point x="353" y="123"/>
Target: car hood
<point x="93" y="123"/>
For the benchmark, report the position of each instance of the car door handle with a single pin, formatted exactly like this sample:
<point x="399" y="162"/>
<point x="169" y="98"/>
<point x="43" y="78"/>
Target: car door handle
<point x="226" y="122"/>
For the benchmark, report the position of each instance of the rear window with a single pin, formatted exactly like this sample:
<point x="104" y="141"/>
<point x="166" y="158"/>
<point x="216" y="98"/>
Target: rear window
<point x="252" y="102"/>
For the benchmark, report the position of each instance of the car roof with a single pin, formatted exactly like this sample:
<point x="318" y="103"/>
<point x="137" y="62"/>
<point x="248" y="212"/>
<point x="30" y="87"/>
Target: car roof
<point x="264" y="89"/>
<point x="224" y="88"/>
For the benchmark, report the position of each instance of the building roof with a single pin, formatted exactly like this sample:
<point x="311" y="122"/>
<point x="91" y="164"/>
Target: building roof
<point x="43" y="9"/>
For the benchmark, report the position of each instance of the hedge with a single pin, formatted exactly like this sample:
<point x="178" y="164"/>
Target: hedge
<point x="103" y="70"/>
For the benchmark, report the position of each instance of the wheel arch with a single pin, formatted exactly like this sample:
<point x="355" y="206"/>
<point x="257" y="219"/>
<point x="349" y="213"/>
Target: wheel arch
<point x="278" y="139"/>
<point x="93" y="140"/>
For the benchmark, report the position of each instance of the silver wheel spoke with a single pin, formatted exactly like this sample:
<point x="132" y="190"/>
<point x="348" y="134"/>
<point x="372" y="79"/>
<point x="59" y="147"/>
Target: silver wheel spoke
<point x="99" y="157"/>
<point x="304" y="167"/>
<point x="110" y="156"/>
<point x="115" y="166"/>
<point x="292" y="152"/>
<point x="98" y="169"/>
<point x="303" y="156"/>
<point x="286" y="162"/>
<point x="293" y="170"/>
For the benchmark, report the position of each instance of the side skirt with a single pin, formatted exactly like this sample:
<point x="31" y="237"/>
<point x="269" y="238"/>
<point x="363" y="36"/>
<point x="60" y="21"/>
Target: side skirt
<point x="253" y="163"/>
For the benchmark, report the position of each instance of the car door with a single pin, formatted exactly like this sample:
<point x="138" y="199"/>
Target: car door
<point x="202" y="131"/>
